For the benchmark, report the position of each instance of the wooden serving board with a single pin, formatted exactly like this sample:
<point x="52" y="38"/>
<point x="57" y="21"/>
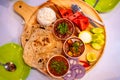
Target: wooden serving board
<point x="29" y="14"/>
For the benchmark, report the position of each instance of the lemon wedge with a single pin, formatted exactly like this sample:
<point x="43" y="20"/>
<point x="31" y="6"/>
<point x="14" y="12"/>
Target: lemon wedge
<point x="91" y="57"/>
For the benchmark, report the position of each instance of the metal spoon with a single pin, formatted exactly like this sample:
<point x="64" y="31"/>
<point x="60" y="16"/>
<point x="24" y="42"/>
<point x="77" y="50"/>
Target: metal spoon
<point x="9" y="66"/>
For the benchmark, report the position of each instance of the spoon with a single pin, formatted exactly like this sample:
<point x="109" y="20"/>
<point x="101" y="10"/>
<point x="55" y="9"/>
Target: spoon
<point x="9" y="66"/>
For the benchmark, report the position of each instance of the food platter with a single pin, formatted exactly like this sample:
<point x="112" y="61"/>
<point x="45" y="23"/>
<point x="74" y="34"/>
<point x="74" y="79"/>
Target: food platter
<point x="30" y="13"/>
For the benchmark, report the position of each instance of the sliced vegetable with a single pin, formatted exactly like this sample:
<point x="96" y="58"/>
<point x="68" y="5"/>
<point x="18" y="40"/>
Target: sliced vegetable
<point x="99" y="41"/>
<point x="73" y="61"/>
<point x="70" y="75"/>
<point x="96" y="46"/>
<point x="97" y="30"/>
<point x="98" y="36"/>
<point x="91" y="57"/>
<point x="76" y="72"/>
<point x="86" y="36"/>
<point x="85" y="64"/>
<point x="79" y="70"/>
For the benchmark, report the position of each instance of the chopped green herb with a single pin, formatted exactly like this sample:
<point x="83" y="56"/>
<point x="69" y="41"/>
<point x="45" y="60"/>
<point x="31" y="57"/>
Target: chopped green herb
<point x="58" y="66"/>
<point x="63" y="28"/>
<point x="76" y="46"/>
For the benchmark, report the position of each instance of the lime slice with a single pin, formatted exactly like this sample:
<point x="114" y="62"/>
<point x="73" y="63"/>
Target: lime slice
<point x="85" y="36"/>
<point x="91" y="57"/>
<point x="96" y="46"/>
<point x="97" y="30"/>
<point x="12" y="52"/>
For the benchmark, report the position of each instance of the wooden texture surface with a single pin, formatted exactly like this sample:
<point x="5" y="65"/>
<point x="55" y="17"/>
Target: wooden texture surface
<point x="29" y="14"/>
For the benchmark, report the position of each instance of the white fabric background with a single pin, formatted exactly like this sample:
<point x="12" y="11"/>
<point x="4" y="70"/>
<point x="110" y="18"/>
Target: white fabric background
<point x="108" y="67"/>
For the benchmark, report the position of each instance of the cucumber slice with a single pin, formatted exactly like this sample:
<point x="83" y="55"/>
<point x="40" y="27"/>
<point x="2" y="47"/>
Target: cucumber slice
<point x="85" y="36"/>
<point x="98" y="36"/>
<point x="96" y="46"/>
<point x="99" y="41"/>
<point x="97" y="30"/>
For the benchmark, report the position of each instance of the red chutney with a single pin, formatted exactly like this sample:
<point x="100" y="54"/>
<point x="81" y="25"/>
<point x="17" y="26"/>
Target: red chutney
<point x="74" y="47"/>
<point x="58" y="66"/>
<point x="68" y="30"/>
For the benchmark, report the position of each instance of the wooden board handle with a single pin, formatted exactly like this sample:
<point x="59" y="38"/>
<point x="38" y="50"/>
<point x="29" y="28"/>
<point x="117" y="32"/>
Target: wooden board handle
<point x="25" y="10"/>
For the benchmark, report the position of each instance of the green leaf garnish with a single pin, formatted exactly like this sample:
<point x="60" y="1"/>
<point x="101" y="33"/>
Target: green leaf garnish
<point x="58" y="66"/>
<point x="63" y="28"/>
<point x="76" y="46"/>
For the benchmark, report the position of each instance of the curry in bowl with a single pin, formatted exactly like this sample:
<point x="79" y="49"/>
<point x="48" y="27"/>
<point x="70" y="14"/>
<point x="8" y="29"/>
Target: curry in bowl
<point x="57" y="66"/>
<point x="73" y="47"/>
<point x="63" y="28"/>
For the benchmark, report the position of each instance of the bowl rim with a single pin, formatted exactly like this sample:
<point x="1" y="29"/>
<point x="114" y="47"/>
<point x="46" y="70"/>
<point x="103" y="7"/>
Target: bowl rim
<point x="73" y="30"/>
<point x="64" y="46"/>
<point x="53" y="74"/>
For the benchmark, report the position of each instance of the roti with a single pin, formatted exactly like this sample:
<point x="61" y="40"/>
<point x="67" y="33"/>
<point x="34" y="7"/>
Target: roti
<point x="40" y="47"/>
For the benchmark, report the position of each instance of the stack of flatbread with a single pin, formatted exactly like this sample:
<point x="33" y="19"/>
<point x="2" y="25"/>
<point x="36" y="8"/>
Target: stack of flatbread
<point x="40" y="46"/>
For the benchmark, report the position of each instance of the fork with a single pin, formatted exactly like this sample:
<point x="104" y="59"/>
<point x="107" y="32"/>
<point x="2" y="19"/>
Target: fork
<point x="76" y="8"/>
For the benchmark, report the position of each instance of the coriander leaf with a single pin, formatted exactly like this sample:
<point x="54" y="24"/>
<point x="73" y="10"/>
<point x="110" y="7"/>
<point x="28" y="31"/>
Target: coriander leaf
<point x="63" y="28"/>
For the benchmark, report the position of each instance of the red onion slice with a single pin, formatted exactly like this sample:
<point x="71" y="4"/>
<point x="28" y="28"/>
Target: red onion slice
<point x="79" y="70"/>
<point x="76" y="71"/>
<point x="70" y="75"/>
<point x="73" y="61"/>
